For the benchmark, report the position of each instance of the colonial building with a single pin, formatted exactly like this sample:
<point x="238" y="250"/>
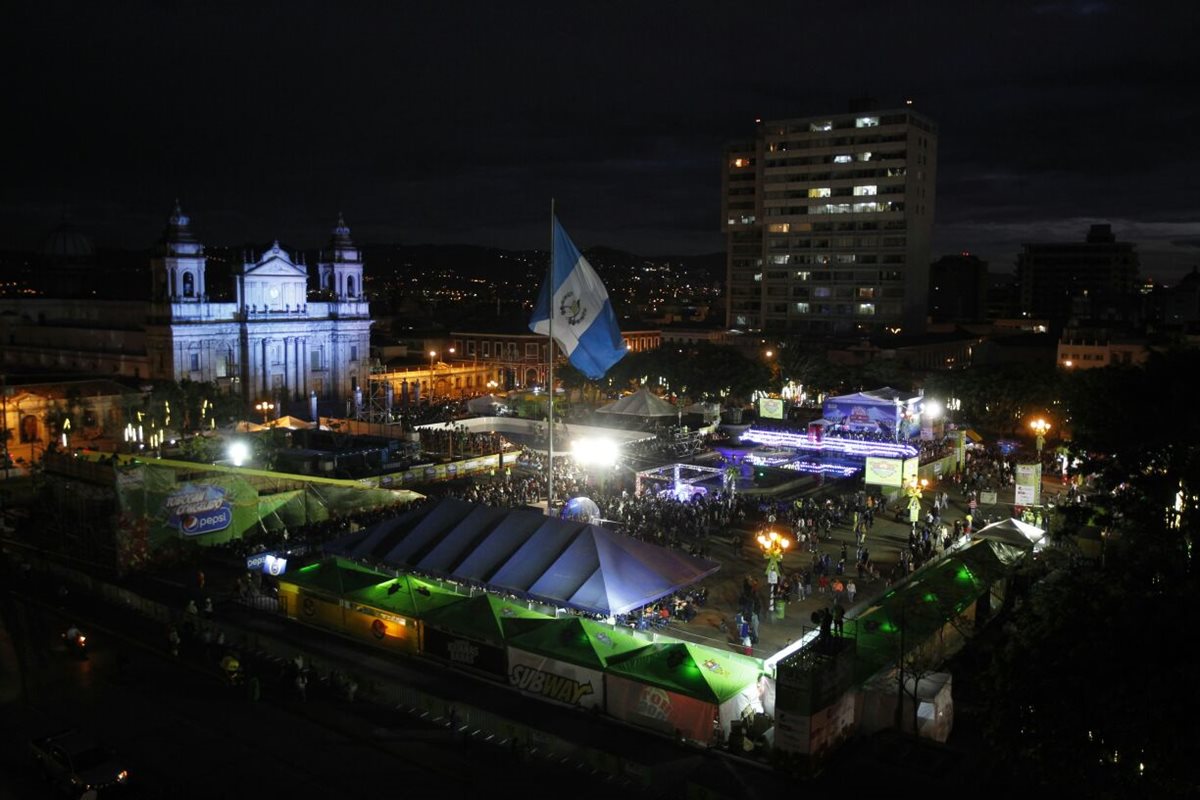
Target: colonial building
<point x="270" y="341"/>
<point x="518" y="356"/>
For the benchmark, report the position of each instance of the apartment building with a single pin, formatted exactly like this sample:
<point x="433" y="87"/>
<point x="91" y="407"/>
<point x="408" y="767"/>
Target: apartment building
<point x="828" y="222"/>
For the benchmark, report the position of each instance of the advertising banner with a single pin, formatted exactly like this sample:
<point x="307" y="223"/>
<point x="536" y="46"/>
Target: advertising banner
<point x="960" y="447"/>
<point x="863" y="417"/>
<point x="381" y="628"/>
<point x="884" y="471"/>
<point x="658" y="709"/>
<point x="1028" y="488"/>
<point x="464" y="652"/>
<point x="558" y="681"/>
<point x="770" y="408"/>
<point x="195" y="510"/>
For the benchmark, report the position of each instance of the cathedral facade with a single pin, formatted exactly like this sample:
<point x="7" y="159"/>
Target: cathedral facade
<point x="278" y="339"/>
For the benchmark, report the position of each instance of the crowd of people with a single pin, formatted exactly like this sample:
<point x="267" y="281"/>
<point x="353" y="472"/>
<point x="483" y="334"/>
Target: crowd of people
<point x="458" y="440"/>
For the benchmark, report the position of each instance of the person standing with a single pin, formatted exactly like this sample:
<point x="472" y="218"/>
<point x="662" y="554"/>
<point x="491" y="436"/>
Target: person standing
<point x="851" y="590"/>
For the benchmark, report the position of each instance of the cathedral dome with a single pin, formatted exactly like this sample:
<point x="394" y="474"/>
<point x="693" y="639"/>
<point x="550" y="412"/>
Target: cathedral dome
<point x="68" y="244"/>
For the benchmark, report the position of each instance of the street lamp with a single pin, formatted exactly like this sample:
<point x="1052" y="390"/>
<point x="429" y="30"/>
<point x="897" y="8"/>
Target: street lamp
<point x="432" y="356"/>
<point x="264" y="407"/>
<point x="773" y="546"/>
<point x="1040" y="427"/>
<point x="915" y="489"/>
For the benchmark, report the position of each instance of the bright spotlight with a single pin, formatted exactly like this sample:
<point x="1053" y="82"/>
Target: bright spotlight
<point x="598" y="452"/>
<point x="932" y="409"/>
<point x="238" y="452"/>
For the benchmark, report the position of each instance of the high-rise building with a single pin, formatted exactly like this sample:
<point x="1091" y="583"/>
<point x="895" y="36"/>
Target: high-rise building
<point x="828" y="222"/>
<point x="1052" y="275"/>
<point x="958" y="289"/>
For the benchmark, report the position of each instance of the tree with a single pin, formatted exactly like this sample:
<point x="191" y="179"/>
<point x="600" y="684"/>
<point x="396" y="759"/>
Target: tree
<point x="807" y="364"/>
<point x="1084" y="684"/>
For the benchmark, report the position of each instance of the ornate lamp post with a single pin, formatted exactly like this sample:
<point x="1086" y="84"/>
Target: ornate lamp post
<point x="773" y="547"/>
<point x="264" y="407"/>
<point x="1040" y="427"/>
<point x="915" y="488"/>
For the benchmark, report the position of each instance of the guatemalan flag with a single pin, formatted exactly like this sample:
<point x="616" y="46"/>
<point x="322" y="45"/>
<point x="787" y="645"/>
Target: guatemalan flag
<point x="585" y="326"/>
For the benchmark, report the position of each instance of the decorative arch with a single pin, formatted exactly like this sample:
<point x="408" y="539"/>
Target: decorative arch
<point x="189" y="284"/>
<point x="350" y="286"/>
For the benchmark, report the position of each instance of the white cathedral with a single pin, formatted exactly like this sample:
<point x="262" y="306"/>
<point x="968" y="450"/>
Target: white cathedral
<point x="271" y="342"/>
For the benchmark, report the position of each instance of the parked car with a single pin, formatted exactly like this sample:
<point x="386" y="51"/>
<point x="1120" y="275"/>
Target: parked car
<point x="78" y="765"/>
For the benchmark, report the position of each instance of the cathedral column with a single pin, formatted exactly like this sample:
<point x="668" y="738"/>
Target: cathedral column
<point x="305" y="366"/>
<point x="297" y="383"/>
<point x="264" y="352"/>
<point x="283" y="390"/>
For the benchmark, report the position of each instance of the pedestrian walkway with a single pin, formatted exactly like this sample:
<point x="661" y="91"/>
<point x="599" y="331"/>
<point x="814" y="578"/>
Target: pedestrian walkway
<point x="714" y="624"/>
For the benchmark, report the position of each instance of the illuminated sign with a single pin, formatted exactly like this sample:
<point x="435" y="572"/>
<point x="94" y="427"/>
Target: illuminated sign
<point x="195" y="510"/>
<point x="884" y="471"/>
<point x="770" y="408"/>
<point x="270" y="563"/>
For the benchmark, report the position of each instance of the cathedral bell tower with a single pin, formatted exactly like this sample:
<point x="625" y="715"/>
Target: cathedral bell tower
<point x="178" y="264"/>
<point x="340" y="269"/>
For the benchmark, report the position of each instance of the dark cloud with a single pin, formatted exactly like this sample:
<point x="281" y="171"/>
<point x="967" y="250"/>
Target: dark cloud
<point x="457" y="121"/>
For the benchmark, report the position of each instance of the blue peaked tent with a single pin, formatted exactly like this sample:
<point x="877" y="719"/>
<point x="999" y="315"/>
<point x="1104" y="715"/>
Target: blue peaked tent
<point x="561" y="562"/>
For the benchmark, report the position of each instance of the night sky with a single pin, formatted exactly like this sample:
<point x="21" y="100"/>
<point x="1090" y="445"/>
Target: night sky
<point x="453" y="122"/>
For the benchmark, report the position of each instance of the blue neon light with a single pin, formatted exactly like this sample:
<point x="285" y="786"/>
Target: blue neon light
<point x="854" y="447"/>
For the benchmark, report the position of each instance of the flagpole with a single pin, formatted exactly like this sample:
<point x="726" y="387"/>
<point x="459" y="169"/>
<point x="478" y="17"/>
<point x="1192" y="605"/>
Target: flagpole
<point x="550" y="369"/>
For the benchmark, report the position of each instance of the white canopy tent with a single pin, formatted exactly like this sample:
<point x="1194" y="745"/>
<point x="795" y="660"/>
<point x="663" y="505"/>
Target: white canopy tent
<point x="486" y="404"/>
<point x="1014" y="532"/>
<point x="642" y="403"/>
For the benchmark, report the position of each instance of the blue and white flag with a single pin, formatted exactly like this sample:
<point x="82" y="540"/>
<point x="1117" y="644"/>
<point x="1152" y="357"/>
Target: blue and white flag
<point x="585" y="326"/>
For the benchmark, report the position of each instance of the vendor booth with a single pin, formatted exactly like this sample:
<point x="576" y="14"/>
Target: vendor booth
<point x="388" y="614"/>
<point x="564" y="660"/>
<point x="685" y="689"/>
<point x="472" y="633"/>
<point x="313" y="594"/>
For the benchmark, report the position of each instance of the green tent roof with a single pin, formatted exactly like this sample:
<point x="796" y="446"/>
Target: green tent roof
<point x="405" y="595"/>
<point x="481" y="617"/>
<point x="580" y="641"/>
<point x="334" y="575"/>
<point x="705" y="673"/>
<point x="928" y="600"/>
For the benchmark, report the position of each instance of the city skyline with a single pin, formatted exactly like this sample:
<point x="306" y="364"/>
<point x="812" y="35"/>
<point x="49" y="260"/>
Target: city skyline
<point x="457" y="125"/>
